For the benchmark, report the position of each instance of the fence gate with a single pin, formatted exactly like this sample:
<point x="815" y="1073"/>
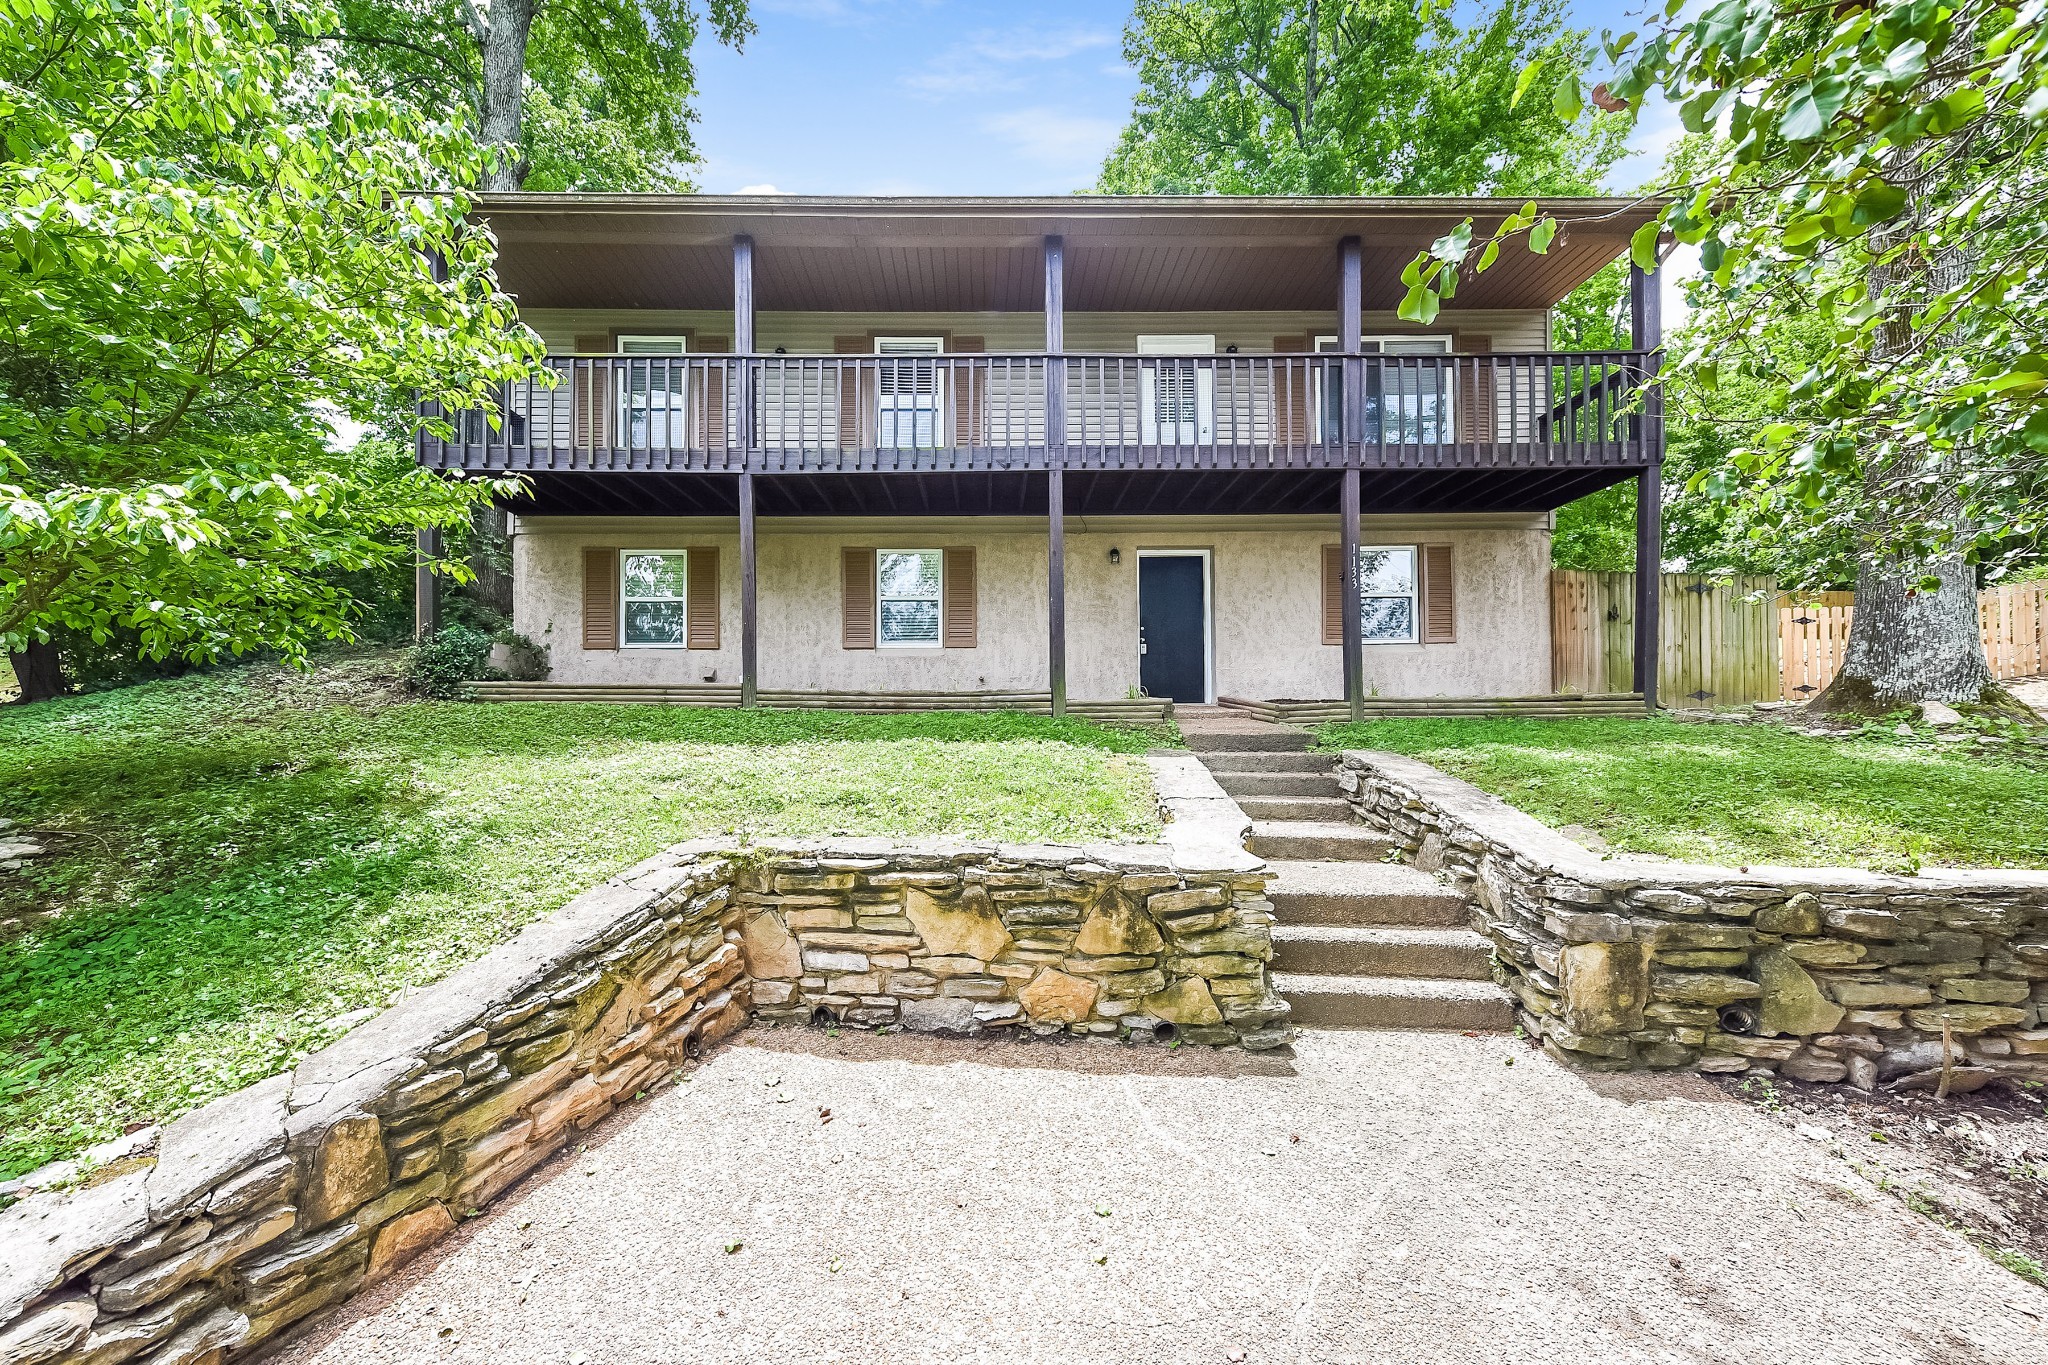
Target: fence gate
<point x="1718" y="637"/>
<point x="1814" y="635"/>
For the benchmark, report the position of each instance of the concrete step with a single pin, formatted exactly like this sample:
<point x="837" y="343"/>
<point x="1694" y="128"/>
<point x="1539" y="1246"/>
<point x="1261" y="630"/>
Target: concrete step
<point x="1328" y="809"/>
<point x="1244" y="737"/>
<point x="1363" y="894"/>
<point x="1221" y="761"/>
<point x="1278" y="784"/>
<point x="1393" y="1002"/>
<point x="1377" y="950"/>
<point x="1318" y="840"/>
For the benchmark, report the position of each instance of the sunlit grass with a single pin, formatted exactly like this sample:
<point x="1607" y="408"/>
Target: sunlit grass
<point x="1745" y="793"/>
<point x="241" y="858"/>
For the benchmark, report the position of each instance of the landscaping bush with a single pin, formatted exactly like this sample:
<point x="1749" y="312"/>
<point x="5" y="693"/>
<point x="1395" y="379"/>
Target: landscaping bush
<point x="444" y="664"/>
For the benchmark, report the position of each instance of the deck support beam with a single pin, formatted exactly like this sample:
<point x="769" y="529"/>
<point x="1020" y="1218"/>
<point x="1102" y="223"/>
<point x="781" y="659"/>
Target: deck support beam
<point x="750" y="620"/>
<point x="1646" y="328"/>
<point x="1056" y="587"/>
<point x="1353" y="605"/>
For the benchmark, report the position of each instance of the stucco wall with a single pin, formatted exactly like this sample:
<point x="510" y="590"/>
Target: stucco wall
<point x="1266" y="584"/>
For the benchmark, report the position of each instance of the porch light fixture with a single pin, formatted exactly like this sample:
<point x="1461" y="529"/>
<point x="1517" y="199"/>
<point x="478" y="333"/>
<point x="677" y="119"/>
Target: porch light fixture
<point x="1230" y="349"/>
<point x="1116" y="556"/>
<point x="782" y="350"/>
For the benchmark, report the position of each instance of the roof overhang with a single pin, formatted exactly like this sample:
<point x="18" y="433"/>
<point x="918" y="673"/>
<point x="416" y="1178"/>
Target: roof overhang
<point x="1150" y="253"/>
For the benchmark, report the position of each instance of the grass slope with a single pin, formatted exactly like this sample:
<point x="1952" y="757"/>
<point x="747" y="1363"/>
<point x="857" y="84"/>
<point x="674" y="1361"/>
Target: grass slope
<point x="240" y="858"/>
<point x="1743" y="793"/>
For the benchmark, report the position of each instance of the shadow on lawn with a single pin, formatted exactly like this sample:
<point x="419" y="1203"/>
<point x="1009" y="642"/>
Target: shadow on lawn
<point x="227" y="885"/>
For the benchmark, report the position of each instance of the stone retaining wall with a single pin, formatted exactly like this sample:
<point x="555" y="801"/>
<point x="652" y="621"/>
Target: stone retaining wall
<point x="1822" y="974"/>
<point x="270" y="1204"/>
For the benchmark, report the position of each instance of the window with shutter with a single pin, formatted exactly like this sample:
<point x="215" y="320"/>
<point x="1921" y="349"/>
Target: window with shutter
<point x="909" y="597"/>
<point x="703" y="565"/>
<point x="654" y="596"/>
<point x="962" y="607"/>
<point x="1176" y="399"/>
<point x="856" y="599"/>
<point x="908" y="394"/>
<point x="600" y="598"/>
<point x="1408" y="404"/>
<point x="651" y="407"/>
<point x="1439" y="596"/>
<point x="1386" y="591"/>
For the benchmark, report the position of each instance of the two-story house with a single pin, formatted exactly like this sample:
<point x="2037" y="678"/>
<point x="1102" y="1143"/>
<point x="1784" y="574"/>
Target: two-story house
<point x="1016" y="451"/>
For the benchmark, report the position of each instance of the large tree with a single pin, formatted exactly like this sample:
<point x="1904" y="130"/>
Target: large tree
<point x="1349" y="97"/>
<point x="572" y="94"/>
<point x="1880" y="162"/>
<point x="210" y="248"/>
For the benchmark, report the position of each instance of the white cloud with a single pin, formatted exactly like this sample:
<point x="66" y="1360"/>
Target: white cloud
<point x="757" y="189"/>
<point x="1053" y="137"/>
<point x="988" y="61"/>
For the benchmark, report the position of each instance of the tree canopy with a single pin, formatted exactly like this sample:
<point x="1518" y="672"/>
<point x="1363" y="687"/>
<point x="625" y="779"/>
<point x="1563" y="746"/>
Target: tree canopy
<point x="213" y="249"/>
<point x="1350" y="97"/>
<point x="594" y="94"/>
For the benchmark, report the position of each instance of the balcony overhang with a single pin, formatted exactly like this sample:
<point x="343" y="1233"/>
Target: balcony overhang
<point x="1123" y="253"/>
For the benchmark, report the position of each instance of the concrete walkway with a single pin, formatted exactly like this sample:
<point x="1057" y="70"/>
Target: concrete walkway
<point x="1002" y="1201"/>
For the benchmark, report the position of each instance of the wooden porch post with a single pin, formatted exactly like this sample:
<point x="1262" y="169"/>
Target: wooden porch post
<point x="1646" y="327"/>
<point x="1056" y="585"/>
<point x="426" y="585"/>
<point x="750" y="624"/>
<point x="1350" y="325"/>
<point x="743" y="295"/>
<point x="1055" y="481"/>
<point x="1354" y="626"/>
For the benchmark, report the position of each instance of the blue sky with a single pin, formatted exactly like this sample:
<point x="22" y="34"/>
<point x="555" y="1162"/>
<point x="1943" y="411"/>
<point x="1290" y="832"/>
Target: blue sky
<point x="940" y="97"/>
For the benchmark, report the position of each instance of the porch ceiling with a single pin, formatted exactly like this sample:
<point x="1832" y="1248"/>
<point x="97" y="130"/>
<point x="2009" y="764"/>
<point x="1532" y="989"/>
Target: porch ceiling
<point x="1088" y="493"/>
<point x="1123" y="254"/>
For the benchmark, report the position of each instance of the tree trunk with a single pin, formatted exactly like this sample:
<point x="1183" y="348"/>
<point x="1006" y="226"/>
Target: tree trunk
<point x="39" y="671"/>
<point x="490" y="559"/>
<point x="504" y="43"/>
<point x="1907" y="645"/>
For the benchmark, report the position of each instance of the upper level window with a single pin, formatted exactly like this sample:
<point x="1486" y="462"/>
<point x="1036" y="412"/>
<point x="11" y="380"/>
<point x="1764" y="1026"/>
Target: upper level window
<point x="1408" y="404"/>
<point x="654" y="596"/>
<point x="1176" y="401"/>
<point x="651" y="393"/>
<point x="908" y="394"/>
<point x="1386" y="587"/>
<point x="907" y="594"/>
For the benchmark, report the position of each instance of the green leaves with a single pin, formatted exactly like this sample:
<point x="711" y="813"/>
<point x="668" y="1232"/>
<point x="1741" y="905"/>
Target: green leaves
<point x="1524" y="81"/>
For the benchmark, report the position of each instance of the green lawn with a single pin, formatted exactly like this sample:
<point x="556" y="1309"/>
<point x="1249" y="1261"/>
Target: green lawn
<point x="1745" y="793"/>
<point x="240" y="858"/>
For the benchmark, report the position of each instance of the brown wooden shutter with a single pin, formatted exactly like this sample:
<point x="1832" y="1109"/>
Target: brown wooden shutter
<point x="855" y="400"/>
<point x="1333" y="594"/>
<point x="709" y="396"/>
<point x="857" y="599"/>
<point x="1475" y="387"/>
<point x="600" y="597"/>
<point x="1439" y="594"/>
<point x="961" y="608"/>
<point x="970" y="394"/>
<point x="703" y="609"/>
<point x="1291" y="397"/>
<point x="589" y="391"/>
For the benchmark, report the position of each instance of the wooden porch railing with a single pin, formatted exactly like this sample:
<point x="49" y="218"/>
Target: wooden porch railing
<point x="772" y="414"/>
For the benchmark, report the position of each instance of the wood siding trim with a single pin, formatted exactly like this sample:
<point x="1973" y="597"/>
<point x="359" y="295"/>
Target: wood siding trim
<point x="856" y="598"/>
<point x="600" y="597"/>
<point x="960" y="607"/>
<point x="703" y="612"/>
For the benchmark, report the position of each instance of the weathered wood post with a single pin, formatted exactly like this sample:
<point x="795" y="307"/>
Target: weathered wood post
<point x="1646" y="328"/>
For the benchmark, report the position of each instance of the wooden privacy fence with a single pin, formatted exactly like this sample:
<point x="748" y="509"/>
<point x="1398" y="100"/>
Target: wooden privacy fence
<point x="1718" y="637"/>
<point x="1813" y="637"/>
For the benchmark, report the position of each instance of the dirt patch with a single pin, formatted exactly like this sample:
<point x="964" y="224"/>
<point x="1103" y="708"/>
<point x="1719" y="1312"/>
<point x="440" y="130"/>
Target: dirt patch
<point x="1976" y="1163"/>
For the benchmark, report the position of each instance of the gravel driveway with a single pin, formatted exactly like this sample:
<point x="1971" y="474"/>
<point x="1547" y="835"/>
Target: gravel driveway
<point x="1378" y="1197"/>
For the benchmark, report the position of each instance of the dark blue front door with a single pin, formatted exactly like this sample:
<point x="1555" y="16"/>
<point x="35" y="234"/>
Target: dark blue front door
<point x="1173" y="628"/>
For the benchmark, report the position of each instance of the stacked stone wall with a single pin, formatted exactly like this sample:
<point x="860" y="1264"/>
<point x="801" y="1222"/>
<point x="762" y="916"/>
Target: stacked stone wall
<point x="1822" y="974"/>
<point x="246" y="1216"/>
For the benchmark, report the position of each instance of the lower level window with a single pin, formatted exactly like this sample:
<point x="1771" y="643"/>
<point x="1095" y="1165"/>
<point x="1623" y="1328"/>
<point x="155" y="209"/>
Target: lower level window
<point x="907" y="596"/>
<point x="655" y="591"/>
<point x="1386" y="585"/>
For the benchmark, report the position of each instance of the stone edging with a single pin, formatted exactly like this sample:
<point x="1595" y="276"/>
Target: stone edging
<point x="1823" y="974"/>
<point x="272" y="1203"/>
